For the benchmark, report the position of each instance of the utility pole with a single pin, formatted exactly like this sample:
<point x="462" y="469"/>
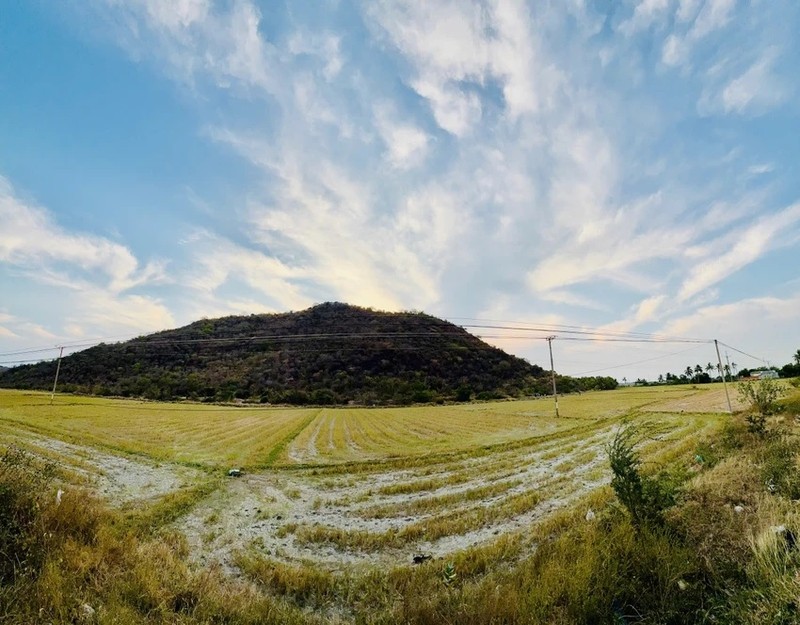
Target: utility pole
<point x="722" y="373"/>
<point x="553" y="371"/>
<point x="58" y="368"/>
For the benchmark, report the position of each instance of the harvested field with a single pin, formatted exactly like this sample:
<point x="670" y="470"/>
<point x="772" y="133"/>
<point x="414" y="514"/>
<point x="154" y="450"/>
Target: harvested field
<point x="340" y="486"/>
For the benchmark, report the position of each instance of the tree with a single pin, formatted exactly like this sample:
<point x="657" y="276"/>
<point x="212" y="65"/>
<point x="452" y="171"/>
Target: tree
<point x="797" y="357"/>
<point x="660" y="378"/>
<point x="710" y="367"/>
<point x="689" y="372"/>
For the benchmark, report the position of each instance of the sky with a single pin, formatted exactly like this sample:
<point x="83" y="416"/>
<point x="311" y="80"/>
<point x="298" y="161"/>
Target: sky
<point x="616" y="167"/>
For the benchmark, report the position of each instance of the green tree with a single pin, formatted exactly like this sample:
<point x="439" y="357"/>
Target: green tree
<point x="797" y="358"/>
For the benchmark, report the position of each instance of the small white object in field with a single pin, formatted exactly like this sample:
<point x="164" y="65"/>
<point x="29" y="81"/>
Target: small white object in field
<point x="738" y="509"/>
<point x="590" y="515"/>
<point x="59" y="494"/>
<point x="87" y="611"/>
<point x="235" y="473"/>
<point x="778" y="529"/>
<point x="682" y="585"/>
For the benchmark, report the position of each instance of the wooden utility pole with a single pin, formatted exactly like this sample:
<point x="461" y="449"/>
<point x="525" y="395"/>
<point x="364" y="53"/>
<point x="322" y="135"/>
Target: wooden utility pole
<point x="58" y="368"/>
<point x="722" y="373"/>
<point x="553" y="371"/>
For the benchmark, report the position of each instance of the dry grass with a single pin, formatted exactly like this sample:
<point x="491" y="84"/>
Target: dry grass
<point x="546" y="564"/>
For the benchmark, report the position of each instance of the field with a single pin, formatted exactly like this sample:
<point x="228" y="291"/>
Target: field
<point x="493" y="512"/>
<point x="348" y="485"/>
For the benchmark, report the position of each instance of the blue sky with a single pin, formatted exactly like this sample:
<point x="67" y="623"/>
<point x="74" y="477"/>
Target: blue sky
<point x="623" y="166"/>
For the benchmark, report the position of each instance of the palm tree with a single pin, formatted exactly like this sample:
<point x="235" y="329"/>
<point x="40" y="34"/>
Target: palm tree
<point x="710" y="367"/>
<point x="797" y="357"/>
<point x="689" y="371"/>
<point x="697" y="371"/>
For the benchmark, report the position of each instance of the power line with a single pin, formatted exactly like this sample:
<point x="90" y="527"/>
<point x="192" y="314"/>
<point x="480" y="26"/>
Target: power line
<point x="550" y="327"/>
<point x="638" y="362"/>
<point x="742" y="353"/>
<point x="596" y="333"/>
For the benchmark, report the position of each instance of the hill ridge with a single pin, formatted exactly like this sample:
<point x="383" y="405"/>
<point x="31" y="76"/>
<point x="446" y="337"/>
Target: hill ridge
<point x="330" y="353"/>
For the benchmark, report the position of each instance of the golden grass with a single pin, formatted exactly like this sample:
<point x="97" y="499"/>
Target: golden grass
<point x="484" y="461"/>
<point x="183" y="433"/>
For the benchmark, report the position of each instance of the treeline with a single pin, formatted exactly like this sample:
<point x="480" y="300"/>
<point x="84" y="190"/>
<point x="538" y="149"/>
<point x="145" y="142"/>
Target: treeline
<point x="699" y="374"/>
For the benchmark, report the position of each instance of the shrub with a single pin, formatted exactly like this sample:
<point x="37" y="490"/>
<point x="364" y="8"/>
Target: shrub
<point x="761" y="395"/>
<point x="644" y="497"/>
<point x="22" y="488"/>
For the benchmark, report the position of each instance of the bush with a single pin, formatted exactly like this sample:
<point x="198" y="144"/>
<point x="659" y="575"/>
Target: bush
<point x="644" y="497"/>
<point x="22" y="488"/>
<point x="761" y="395"/>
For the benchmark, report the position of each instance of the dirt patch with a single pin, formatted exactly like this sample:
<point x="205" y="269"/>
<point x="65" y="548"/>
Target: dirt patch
<point x="259" y="511"/>
<point x="119" y="479"/>
<point x="706" y="401"/>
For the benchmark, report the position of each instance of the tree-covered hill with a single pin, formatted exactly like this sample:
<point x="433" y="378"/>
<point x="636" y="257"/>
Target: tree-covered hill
<point x="330" y="354"/>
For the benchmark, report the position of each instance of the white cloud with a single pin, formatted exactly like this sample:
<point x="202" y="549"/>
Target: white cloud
<point x="755" y="90"/>
<point x="761" y="168"/>
<point x="31" y="241"/>
<point x="456" y="48"/>
<point x="406" y="144"/>
<point x="648" y="308"/>
<point x="195" y="38"/>
<point x="762" y="326"/>
<point x="217" y="261"/>
<point x="325" y="46"/>
<point x="571" y="299"/>
<point x="645" y="14"/>
<point x="740" y="248"/>
<point x="714" y="15"/>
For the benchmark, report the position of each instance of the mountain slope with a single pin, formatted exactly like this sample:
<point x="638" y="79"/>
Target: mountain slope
<point x="331" y="353"/>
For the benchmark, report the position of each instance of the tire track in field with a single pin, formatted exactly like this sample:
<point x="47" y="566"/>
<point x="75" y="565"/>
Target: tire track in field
<point x="309" y="451"/>
<point x="276" y="452"/>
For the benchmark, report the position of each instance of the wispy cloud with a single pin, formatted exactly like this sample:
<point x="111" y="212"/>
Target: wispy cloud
<point x="459" y="157"/>
<point x="738" y="249"/>
<point x="712" y="15"/>
<point x="33" y="242"/>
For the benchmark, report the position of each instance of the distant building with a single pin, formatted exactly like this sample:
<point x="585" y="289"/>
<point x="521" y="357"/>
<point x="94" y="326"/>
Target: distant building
<point x="769" y="374"/>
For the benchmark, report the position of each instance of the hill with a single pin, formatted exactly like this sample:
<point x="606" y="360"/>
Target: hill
<point x="329" y="354"/>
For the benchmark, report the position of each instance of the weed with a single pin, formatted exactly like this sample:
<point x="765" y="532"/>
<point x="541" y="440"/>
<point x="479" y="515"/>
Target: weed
<point x="449" y="575"/>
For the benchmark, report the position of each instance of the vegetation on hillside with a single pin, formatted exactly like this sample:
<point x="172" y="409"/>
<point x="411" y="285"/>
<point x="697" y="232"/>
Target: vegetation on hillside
<point x="329" y="354"/>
